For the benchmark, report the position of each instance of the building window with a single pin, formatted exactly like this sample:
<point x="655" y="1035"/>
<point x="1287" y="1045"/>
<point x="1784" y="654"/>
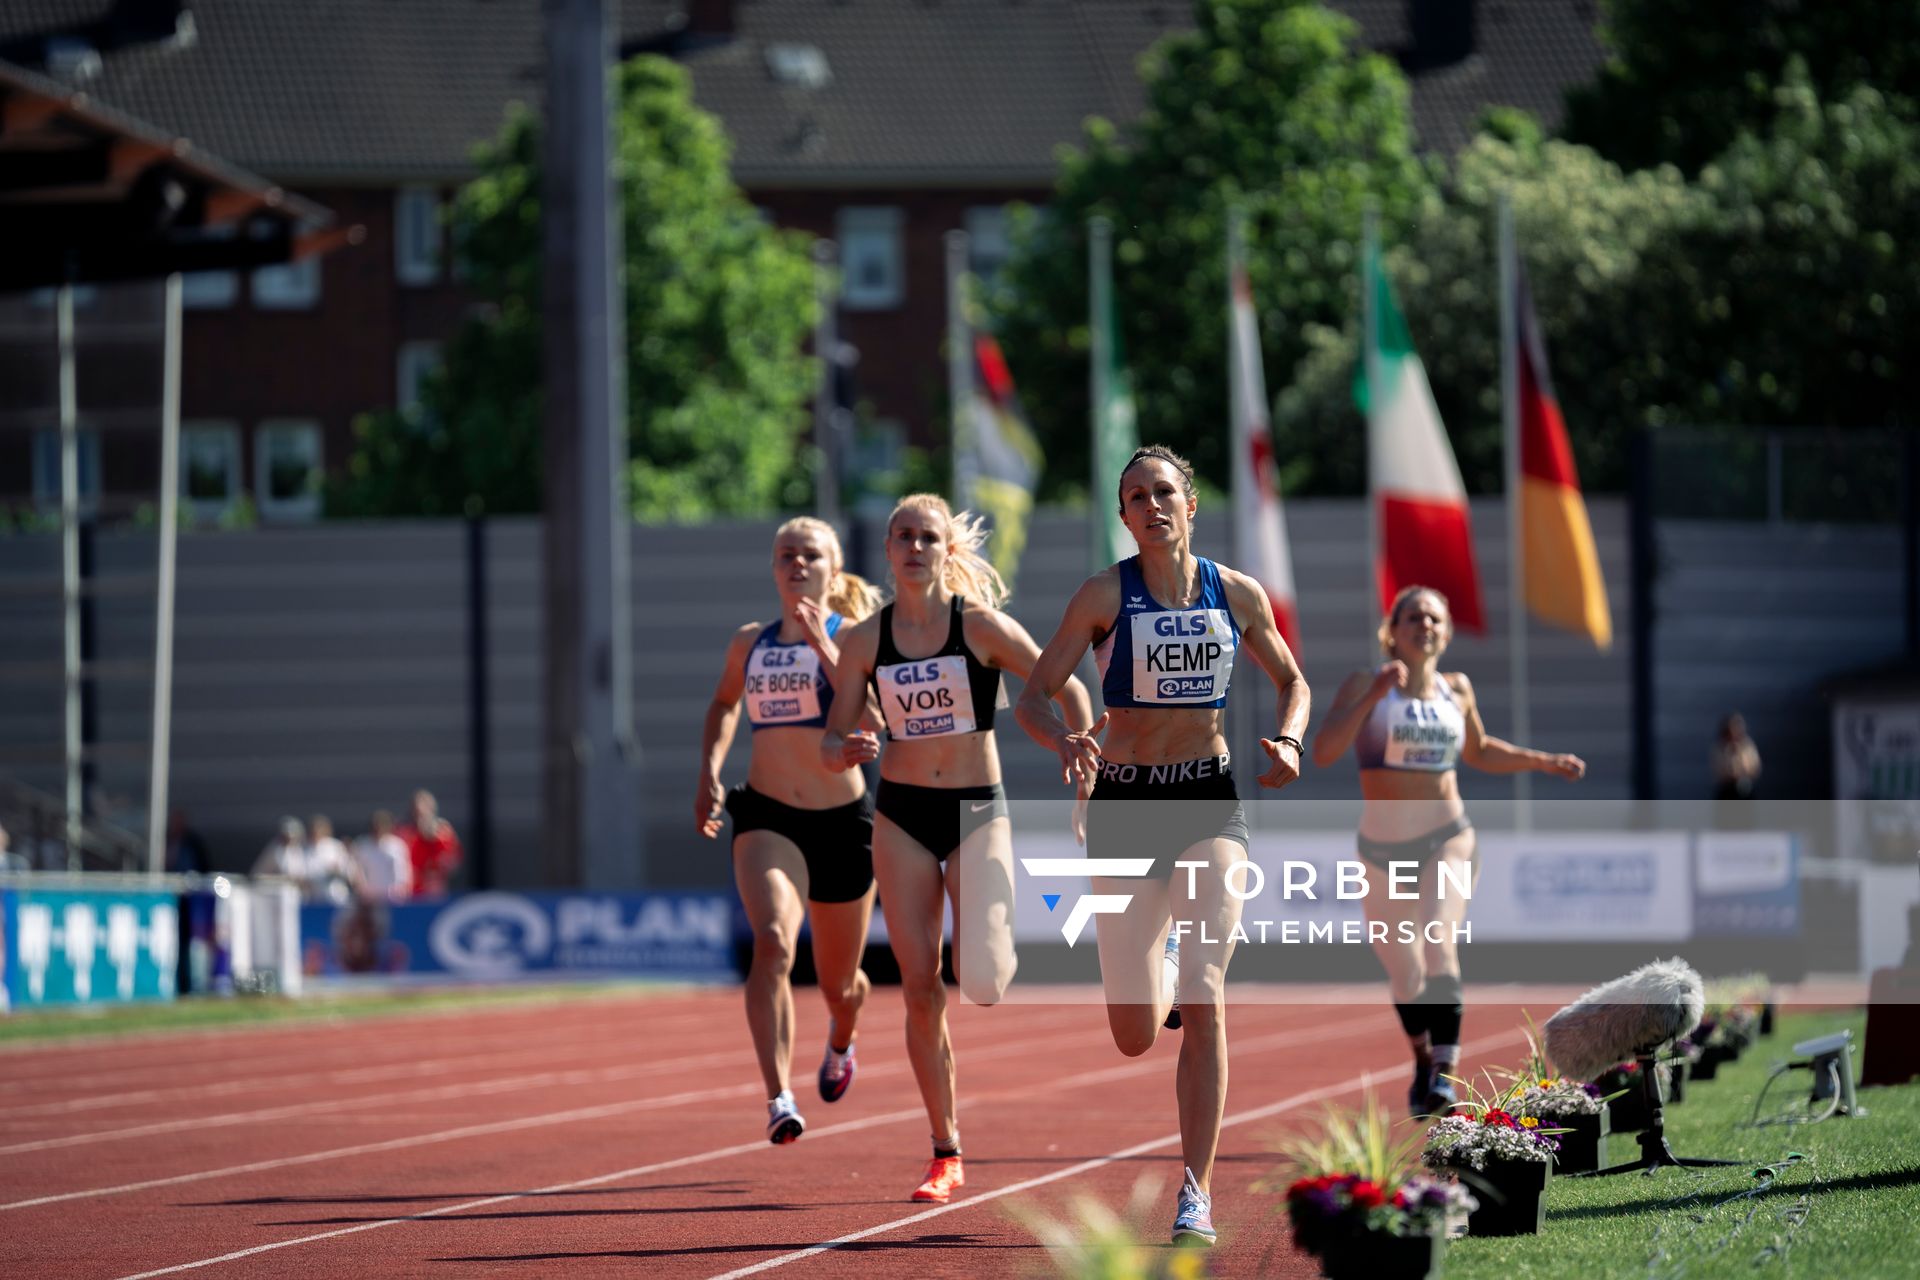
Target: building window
<point x="209" y="467"/>
<point x="288" y="286"/>
<point x="286" y="469"/>
<point x="416" y="235"/>
<point x="84" y="296"/>
<point x="987" y="246"/>
<point x="417" y="361"/>
<point x="206" y="290"/>
<point x="46" y="469"/>
<point x="872" y="265"/>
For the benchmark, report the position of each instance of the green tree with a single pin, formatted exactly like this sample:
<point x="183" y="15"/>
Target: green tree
<point x="1685" y="77"/>
<point x="718" y="307"/>
<point x="1585" y="231"/>
<point x="1267" y="104"/>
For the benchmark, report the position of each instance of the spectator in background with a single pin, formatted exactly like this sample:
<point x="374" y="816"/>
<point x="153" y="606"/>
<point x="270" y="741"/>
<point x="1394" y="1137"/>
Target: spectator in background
<point x="330" y="868"/>
<point x="1736" y="761"/>
<point x="432" y="845"/>
<point x="286" y="854"/>
<point x="383" y="861"/>
<point x="186" y="851"/>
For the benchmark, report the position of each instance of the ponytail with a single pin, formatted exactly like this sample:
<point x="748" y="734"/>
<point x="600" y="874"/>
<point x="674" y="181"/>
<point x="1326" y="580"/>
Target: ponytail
<point x="968" y="572"/>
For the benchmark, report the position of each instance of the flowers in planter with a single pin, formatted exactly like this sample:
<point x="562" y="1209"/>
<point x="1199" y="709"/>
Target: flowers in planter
<point x="1356" y="1179"/>
<point x="1487" y="1128"/>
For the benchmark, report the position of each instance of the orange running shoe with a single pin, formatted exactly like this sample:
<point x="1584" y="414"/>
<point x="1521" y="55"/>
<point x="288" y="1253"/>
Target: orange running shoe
<point x="943" y="1175"/>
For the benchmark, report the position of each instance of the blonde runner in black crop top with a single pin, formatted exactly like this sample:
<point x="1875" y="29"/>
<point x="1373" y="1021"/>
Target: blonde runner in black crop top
<point x="942" y="695"/>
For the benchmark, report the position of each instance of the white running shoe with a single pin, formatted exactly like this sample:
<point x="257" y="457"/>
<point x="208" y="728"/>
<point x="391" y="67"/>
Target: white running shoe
<point x="784" y="1123"/>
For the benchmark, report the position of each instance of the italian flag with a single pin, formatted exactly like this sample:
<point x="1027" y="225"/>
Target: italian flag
<point x="1563" y="583"/>
<point x="1419" y="502"/>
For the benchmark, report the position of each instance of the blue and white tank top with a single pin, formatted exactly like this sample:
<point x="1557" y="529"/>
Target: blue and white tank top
<point x="1160" y="657"/>
<point x="1419" y="735"/>
<point x="786" y="689"/>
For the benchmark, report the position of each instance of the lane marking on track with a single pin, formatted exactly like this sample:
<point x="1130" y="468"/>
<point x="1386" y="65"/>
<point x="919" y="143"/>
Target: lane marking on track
<point x="1364" y="1081"/>
<point x="572" y="1116"/>
<point x="1367" y="1026"/>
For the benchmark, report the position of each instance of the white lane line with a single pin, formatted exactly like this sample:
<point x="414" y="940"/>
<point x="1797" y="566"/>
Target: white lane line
<point x="500" y="1126"/>
<point x="1364" y="1081"/>
<point x="1366" y="1027"/>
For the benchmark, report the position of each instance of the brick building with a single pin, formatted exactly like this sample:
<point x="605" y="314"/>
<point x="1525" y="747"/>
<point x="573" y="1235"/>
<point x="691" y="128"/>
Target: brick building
<point x="879" y="123"/>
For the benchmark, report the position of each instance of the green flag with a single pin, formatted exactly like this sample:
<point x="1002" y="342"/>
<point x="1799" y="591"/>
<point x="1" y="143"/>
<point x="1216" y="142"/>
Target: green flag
<point x="1115" y="433"/>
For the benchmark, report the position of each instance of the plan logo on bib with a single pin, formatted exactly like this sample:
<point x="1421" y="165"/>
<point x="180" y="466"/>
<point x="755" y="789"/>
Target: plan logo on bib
<point x="1089" y="905"/>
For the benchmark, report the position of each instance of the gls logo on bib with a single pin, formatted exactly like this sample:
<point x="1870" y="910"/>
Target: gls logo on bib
<point x="928" y="698"/>
<point x="1182" y="656"/>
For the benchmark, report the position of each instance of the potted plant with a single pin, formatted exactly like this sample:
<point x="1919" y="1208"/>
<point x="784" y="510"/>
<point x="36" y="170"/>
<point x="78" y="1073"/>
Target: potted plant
<point x="1626" y="1102"/>
<point x="1576" y="1113"/>
<point x="1358" y="1203"/>
<point x="1506" y="1157"/>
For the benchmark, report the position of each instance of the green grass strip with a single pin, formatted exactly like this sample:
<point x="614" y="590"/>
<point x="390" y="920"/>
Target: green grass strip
<point x="200" y="1012"/>
<point x="1850" y="1208"/>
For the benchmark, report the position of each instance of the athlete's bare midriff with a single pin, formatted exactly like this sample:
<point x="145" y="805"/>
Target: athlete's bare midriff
<point x="1403" y="804"/>
<point x="786" y="767"/>
<point x="963" y="760"/>
<point x="1164" y="735"/>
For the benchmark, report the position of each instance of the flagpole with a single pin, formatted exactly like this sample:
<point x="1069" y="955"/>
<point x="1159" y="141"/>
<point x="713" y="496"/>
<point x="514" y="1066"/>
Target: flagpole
<point x="1247" y="748"/>
<point x="1369" y="345"/>
<point x="1099" y="288"/>
<point x="960" y="372"/>
<point x="1516" y="541"/>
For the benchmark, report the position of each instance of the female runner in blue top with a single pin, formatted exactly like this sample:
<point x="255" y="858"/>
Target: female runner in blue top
<point x="802" y="833"/>
<point x="1166" y="627"/>
<point x="1410" y="724"/>
<point x="935" y="657"/>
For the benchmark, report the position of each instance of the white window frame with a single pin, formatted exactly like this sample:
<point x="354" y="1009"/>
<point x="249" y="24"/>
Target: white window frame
<point x="301" y="507"/>
<point x="414" y="363"/>
<point x="229" y="432"/>
<point x="46" y="469"/>
<point x="418" y="250"/>
<point x="211" y="290"/>
<point x="288" y="286"/>
<point x="988" y="246"/>
<point x="872" y="234"/>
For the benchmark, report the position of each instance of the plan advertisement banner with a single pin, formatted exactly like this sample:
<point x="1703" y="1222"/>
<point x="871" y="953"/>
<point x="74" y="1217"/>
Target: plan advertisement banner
<point x="66" y="947"/>
<point x="500" y="937"/>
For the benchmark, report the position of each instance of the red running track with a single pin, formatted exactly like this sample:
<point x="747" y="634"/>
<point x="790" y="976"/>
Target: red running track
<point x="625" y="1136"/>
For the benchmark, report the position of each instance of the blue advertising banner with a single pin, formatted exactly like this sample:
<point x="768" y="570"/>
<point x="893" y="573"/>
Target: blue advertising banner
<point x="67" y="947"/>
<point x="496" y="937"/>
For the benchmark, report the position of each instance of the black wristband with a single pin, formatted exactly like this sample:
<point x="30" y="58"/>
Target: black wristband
<point x="1295" y="743"/>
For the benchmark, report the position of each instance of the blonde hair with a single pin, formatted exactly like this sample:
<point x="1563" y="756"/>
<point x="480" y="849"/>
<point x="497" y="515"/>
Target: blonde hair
<point x="1405" y="594"/>
<point x="967" y="571"/>
<point x="848" y="594"/>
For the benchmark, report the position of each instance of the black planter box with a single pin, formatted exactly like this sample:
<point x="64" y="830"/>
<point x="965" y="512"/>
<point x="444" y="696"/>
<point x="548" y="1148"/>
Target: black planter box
<point x="1629" y="1110"/>
<point x="1707" y="1065"/>
<point x="1583" y="1148"/>
<point x="1381" y="1255"/>
<point x="1512" y="1196"/>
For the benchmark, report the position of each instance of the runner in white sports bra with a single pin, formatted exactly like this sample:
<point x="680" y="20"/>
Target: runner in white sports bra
<point x="1410" y="725"/>
<point x="934" y="658"/>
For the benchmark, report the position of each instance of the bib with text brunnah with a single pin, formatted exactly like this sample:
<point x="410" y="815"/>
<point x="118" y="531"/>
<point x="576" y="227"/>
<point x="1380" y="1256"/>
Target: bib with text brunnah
<point x="783" y="684"/>
<point x="1182" y="655"/>
<point x="927" y="697"/>
<point x="1424" y="735"/>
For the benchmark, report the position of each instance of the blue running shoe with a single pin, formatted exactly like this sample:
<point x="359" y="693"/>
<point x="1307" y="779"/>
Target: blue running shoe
<point x="1193" y="1222"/>
<point x="784" y="1124"/>
<point x="1170" y="974"/>
<point x="836" y="1074"/>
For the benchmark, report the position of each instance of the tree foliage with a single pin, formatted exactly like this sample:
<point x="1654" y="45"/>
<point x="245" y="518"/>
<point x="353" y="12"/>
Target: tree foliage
<point x="1686" y="77"/>
<point x="718" y="307"/>
<point x="1265" y="104"/>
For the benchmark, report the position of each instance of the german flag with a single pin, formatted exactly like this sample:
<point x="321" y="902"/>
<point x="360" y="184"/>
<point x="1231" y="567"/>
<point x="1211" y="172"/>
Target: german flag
<point x="1563" y="581"/>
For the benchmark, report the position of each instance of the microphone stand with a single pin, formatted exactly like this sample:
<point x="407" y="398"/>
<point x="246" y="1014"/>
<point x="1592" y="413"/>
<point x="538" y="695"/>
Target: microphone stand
<point x="1654" y="1151"/>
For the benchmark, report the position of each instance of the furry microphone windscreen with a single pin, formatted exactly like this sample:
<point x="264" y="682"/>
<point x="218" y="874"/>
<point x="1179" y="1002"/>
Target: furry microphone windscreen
<point x="1655" y="1003"/>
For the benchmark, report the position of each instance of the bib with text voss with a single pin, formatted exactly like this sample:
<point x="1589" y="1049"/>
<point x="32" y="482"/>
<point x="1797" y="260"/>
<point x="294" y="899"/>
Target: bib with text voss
<point x="926" y="697"/>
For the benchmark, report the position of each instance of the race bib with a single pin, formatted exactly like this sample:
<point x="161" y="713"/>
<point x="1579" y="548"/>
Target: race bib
<point x="1423" y="736"/>
<point x="781" y="684"/>
<point x="928" y="698"/>
<point x="1182" y="656"/>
